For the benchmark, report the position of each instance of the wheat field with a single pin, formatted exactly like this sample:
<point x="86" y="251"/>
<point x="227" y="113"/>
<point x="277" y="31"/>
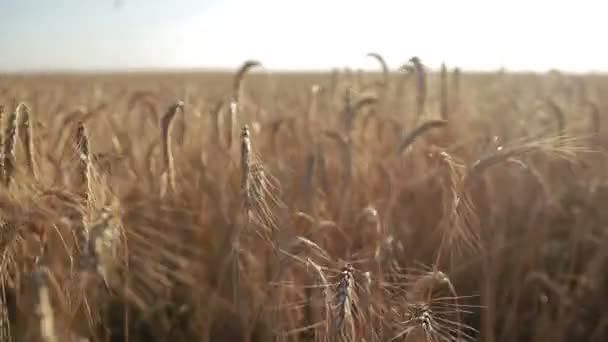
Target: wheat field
<point x="408" y="204"/>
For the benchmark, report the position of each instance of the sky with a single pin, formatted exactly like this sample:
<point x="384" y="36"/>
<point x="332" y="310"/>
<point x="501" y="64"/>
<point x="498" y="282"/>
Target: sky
<point x="537" y="35"/>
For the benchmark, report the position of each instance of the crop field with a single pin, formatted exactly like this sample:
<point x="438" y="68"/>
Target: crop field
<point x="410" y="204"/>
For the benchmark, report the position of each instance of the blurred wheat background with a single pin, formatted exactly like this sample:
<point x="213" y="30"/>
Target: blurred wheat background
<point x="402" y="201"/>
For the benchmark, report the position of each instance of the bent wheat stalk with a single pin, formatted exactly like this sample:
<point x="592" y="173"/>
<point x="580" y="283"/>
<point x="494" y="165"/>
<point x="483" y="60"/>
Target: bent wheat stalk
<point x="383" y="65"/>
<point x="561" y="145"/>
<point x="421" y="86"/>
<point x="419" y="131"/>
<point x="240" y="76"/>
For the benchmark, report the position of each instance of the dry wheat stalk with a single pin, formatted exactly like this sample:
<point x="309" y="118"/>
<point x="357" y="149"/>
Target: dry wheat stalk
<point x="101" y="245"/>
<point x="246" y="205"/>
<point x="348" y="111"/>
<point x="443" y="93"/>
<point x="5" y="323"/>
<point x="167" y="151"/>
<point x="313" y="105"/>
<point x="84" y="159"/>
<point x="419" y="131"/>
<point x="322" y="168"/>
<point x="149" y="101"/>
<point x="366" y="304"/>
<point x="215" y="122"/>
<point x="558" y="113"/>
<point x="323" y="283"/>
<point x="456" y="75"/>
<point x="240" y="76"/>
<point x="421" y="84"/>
<point x="26" y="136"/>
<point x="8" y="153"/>
<point x="258" y="188"/>
<point x="383" y="65"/>
<point x="234" y="108"/>
<point x="246" y="168"/>
<point x="595" y="122"/>
<point x="433" y="308"/>
<point x="560" y="145"/>
<point x="44" y="309"/>
<point x="308" y="182"/>
<point x="345" y="299"/>
<point x="459" y="222"/>
<point x="1" y="130"/>
<point x="344" y="143"/>
<point x="233" y="112"/>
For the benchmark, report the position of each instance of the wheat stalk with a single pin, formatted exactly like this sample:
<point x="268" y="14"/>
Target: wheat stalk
<point x="383" y="65"/>
<point x="1" y="132"/>
<point x="443" y="93"/>
<point x="27" y="138"/>
<point x="84" y="159"/>
<point x="44" y="308"/>
<point x="409" y="139"/>
<point x="215" y="122"/>
<point x="456" y="76"/>
<point x="101" y="244"/>
<point x="421" y="85"/>
<point x="240" y="76"/>
<point x="5" y="323"/>
<point x="246" y="168"/>
<point x="561" y="145"/>
<point x="167" y="152"/>
<point x="8" y="153"/>
<point x="558" y="113"/>
<point x="343" y="305"/>
<point x="595" y="118"/>
<point x="234" y="108"/>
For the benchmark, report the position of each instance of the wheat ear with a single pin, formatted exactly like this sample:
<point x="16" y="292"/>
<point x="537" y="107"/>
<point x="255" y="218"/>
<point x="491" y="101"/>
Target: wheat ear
<point x="84" y="159"/>
<point x="246" y="168"/>
<point x="26" y="136"/>
<point x="343" y="304"/>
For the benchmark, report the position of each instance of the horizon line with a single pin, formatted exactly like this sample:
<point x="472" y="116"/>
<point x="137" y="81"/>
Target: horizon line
<point x="264" y="69"/>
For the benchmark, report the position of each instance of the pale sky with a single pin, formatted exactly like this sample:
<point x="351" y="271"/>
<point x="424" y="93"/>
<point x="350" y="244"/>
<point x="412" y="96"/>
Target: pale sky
<point x="309" y="34"/>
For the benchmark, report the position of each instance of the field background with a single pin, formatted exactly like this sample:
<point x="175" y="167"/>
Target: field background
<point x="490" y="225"/>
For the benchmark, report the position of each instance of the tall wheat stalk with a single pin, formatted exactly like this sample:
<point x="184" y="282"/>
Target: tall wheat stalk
<point x="443" y="93"/>
<point x="166" y="121"/>
<point x="8" y="153"/>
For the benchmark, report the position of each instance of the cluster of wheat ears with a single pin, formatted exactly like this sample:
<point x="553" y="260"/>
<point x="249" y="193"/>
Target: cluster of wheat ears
<point x="400" y="206"/>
